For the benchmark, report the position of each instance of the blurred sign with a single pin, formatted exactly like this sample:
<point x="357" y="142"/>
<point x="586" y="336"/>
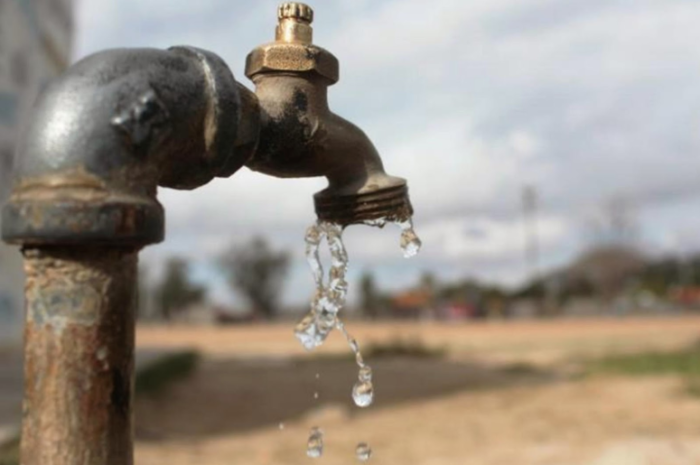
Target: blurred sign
<point x="35" y="40"/>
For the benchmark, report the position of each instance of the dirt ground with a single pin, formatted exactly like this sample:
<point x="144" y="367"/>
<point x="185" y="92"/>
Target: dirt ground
<point x="504" y="394"/>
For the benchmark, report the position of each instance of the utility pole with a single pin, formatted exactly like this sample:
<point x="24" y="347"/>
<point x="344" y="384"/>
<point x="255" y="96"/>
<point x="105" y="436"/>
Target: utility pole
<point x="530" y="202"/>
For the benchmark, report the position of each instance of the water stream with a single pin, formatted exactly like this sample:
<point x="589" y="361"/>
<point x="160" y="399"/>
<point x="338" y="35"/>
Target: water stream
<point x="329" y="298"/>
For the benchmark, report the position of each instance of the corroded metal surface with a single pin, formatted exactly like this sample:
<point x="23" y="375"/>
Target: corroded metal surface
<point x="79" y="351"/>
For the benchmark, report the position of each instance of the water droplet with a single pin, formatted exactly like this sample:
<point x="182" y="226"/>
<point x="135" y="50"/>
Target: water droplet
<point x="365" y="373"/>
<point x="363" y="393"/>
<point x="281" y="425"/>
<point x="378" y="223"/>
<point x="314" y="448"/>
<point x="318" y="375"/>
<point x="363" y="452"/>
<point x="306" y="331"/>
<point x="329" y="299"/>
<point x="410" y="242"/>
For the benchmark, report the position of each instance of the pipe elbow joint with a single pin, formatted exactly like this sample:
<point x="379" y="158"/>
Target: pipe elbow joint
<point x="109" y="131"/>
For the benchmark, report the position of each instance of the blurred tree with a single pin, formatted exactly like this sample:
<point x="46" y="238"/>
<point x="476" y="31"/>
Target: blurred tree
<point x="369" y="299"/>
<point x="612" y="257"/>
<point x="608" y="268"/>
<point x="428" y="284"/>
<point x="428" y="281"/>
<point x="615" y="222"/>
<point x="258" y="273"/>
<point x="176" y="292"/>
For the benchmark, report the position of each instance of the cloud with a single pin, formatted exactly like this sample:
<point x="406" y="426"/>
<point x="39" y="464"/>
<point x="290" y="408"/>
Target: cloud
<point x="470" y="101"/>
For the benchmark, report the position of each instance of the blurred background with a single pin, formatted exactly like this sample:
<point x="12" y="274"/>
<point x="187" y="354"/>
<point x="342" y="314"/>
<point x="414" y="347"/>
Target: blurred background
<point x="553" y="315"/>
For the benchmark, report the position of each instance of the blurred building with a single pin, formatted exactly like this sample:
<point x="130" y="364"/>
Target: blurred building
<point x="35" y="44"/>
<point x="414" y="304"/>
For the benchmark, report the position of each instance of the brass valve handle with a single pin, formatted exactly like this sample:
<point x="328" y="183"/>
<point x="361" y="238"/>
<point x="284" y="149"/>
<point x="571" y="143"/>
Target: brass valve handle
<point x="295" y="23"/>
<point x="296" y="11"/>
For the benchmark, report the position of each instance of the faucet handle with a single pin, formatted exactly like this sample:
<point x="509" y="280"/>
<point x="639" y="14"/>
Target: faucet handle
<point x="295" y="23"/>
<point x="295" y="11"/>
<point x="293" y="50"/>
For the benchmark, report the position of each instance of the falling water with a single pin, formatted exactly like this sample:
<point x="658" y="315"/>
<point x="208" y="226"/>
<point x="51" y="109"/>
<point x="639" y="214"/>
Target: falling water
<point x="363" y="452"/>
<point x="329" y="298"/>
<point x="410" y="242"/>
<point x="314" y="447"/>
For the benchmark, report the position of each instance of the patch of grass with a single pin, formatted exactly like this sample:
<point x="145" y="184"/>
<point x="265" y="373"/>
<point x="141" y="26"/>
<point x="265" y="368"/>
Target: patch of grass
<point x="150" y="380"/>
<point x="521" y="369"/>
<point x="692" y="386"/>
<point x="9" y="453"/>
<point x="403" y="348"/>
<point x="683" y="362"/>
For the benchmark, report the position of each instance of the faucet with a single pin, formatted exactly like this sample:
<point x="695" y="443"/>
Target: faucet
<point x="102" y="138"/>
<point x="301" y="137"/>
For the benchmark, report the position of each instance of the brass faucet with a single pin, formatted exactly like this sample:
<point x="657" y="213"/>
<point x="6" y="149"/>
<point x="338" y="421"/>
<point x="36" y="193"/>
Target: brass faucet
<point x="301" y="137"/>
<point x="101" y="139"/>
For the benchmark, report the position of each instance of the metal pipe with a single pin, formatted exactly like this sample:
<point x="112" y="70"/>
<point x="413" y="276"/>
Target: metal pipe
<point x="79" y="356"/>
<point x="102" y="138"/>
<point x="104" y="135"/>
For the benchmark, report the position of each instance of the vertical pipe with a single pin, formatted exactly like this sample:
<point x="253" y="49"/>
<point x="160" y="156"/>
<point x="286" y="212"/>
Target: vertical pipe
<point x="79" y="356"/>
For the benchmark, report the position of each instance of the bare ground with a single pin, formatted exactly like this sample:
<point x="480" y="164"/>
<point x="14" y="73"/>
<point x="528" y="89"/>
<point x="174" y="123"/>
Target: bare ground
<point x="507" y="394"/>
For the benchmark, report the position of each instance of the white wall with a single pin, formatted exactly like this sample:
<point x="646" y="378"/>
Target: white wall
<point x="35" y="41"/>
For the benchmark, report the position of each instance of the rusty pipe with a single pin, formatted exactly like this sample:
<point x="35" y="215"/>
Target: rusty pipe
<point x="102" y="138"/>
<point x="301" y="137"/>
<point x="79" y="356"/>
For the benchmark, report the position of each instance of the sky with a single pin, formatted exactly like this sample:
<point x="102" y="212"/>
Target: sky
<point x="470" y="101"/>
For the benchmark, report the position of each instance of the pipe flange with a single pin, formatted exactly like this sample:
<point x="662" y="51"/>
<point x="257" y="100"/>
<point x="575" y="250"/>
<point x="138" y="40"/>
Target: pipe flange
<point x="114" y="222"/>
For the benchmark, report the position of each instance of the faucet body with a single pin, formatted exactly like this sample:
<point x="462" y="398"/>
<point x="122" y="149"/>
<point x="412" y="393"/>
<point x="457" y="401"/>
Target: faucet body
<point x="301" y="137"/>
<point x="103" y="137"/>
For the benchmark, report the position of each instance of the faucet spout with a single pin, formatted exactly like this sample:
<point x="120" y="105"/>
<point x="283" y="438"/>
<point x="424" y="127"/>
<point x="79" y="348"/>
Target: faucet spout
<point x="301" y="137"/>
